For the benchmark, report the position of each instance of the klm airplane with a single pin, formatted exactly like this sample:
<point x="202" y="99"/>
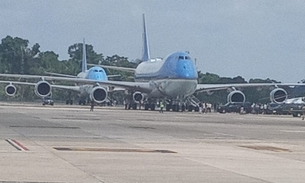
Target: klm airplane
<point x="93" y="91"/>
<point x="173" y="79"/>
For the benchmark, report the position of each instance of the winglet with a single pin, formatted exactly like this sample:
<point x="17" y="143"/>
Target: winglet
<point x="146" y="55"/>
<point x="84" y="61"/>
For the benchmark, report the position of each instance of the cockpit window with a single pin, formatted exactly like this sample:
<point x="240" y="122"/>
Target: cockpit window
<point x="187" y="58"/>
<point x="100" y="70"/>
<point x="95" y="70"/>
<point x="181" y="57"/>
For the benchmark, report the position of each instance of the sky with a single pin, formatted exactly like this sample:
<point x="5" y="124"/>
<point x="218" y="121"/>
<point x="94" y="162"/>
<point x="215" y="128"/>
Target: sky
<point x="253" y="39"/>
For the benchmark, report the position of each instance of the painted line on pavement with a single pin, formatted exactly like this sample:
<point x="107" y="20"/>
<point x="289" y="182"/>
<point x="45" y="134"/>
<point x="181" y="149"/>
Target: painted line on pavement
<point x="17" y="145"/>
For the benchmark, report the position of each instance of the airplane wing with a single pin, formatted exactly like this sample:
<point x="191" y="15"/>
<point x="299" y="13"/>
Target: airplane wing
<point x="214" y="87"/>
<point x="61" y="75"/>
<point x="75" y="88"/>
<point x="71" y="76"/>
<point x="18" y="82"/>
<point x="126" y="69"/>
<point x="136" y="86"/>
<point x="147" y="87"/>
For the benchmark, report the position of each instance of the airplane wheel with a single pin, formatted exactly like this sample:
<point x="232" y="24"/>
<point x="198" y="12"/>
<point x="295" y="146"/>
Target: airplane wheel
<point x="146" y="107"/>
<point x="153" y="107"/>
<point x="168" y="107"/>
<point x="134" y="106"/>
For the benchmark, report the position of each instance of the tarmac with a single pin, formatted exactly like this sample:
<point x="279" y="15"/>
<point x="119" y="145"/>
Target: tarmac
<point x="71" y="144"/>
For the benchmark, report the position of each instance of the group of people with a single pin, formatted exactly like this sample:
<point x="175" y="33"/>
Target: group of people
<point x="205" y="107"/>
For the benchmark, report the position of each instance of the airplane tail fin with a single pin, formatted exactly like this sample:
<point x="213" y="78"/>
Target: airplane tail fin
<point x="146" y="55"/>
<point x="84" y="61"/>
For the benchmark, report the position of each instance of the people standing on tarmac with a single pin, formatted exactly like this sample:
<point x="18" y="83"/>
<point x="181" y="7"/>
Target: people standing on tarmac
<point x="161" y="106"/>
<point x="242" y="111"/>
<point x="92" y="105"/>
<point x="200" y="107"/>
<point x="303" y="110"/>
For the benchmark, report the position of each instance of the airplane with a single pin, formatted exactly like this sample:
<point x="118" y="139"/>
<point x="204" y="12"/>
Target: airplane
<point x="173" y="79"/>
<point x="96" y="92"/>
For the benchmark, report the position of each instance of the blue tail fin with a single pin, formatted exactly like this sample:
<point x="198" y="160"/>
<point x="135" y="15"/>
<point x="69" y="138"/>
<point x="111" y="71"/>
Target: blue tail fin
<point x="84" y="61"/>
<point x="146" y="55"/>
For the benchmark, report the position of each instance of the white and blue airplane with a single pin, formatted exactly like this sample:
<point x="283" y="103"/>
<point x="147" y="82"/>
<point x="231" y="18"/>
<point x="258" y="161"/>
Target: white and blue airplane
<point x="173" y="78"/>
<point x="93" y="91"/>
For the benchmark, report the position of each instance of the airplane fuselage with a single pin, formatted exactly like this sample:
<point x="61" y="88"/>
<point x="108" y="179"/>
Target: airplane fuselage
<point x="175" y="76"/>
<point x="94" y="73"/>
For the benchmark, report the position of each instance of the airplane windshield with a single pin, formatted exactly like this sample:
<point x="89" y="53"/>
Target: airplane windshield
<point x="184" y="58"/>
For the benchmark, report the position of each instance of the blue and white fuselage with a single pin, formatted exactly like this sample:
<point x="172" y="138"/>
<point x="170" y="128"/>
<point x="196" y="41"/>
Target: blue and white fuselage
<point x="173" y="77"/>
<point x="94" y="73"/>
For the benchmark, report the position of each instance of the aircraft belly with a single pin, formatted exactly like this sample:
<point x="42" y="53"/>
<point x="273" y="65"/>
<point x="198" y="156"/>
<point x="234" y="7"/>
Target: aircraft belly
<point x="173" y="88"/>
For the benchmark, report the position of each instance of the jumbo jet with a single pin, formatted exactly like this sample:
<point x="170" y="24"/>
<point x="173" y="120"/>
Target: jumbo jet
<point x="93" y="91"/>
<point x="173" y="79"/>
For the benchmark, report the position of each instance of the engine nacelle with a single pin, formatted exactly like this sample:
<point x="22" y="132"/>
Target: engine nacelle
<point x="10" y="90"/>
<point x="236" y="96"/>
<point x="43" y="89"/>
<point x="137" y="96"/>
<point x="98" y="94"/>
<point x="278" y="95"/>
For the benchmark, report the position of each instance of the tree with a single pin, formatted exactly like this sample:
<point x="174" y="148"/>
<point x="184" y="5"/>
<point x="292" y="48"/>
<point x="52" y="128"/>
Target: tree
<point x="11" y="50"/>
<point x="75" y="52"/>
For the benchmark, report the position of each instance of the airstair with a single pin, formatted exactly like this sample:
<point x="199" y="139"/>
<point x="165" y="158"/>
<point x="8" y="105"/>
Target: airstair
<point x="193" y="101"/>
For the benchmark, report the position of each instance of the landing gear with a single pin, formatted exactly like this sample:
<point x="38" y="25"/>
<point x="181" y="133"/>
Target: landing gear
<point x="151" y="106"/>
<point x="69" y="98"/>
<point x="82" y="102"/>
<point x="69" y="101"/>
<point x="174" y="106"/>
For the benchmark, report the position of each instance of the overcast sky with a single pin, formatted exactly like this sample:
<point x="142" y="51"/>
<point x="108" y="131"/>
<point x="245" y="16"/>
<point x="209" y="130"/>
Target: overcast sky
<point x="253" y="39"/>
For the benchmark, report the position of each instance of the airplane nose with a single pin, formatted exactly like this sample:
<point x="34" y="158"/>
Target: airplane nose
<point x="186" y="70"/>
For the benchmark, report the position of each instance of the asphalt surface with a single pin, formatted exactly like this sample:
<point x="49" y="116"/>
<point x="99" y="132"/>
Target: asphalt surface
<point x="71" y="144"/>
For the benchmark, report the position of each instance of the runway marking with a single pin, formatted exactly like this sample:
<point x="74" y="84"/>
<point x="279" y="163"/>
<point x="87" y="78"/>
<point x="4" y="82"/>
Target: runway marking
<point x="142" y="127"/>
<point x="68" y="118"/>
<point x="17" y="145"/>
<point x="266" y="148"/>
<point x="293" y="131"/>
<point x="57" y="127"/>
<point x="112" y="150"/>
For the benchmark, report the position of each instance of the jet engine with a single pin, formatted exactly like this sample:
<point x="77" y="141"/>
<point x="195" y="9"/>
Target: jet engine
<point x="236" y="96"/>
<point x="278" y="95"/>
<point x="98" y="94"/>
<point x="10" y="90"/>
<point x="137" y="96"/>
<point x="42" y="89"/>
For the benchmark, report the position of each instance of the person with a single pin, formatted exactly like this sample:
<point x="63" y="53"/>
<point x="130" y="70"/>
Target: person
<point x="200" y="107"/>
<point x="161" y="107"/>
<point x="242" y="111"/>
<point x="92" y="105"/>
<point x="303" y="110"/>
